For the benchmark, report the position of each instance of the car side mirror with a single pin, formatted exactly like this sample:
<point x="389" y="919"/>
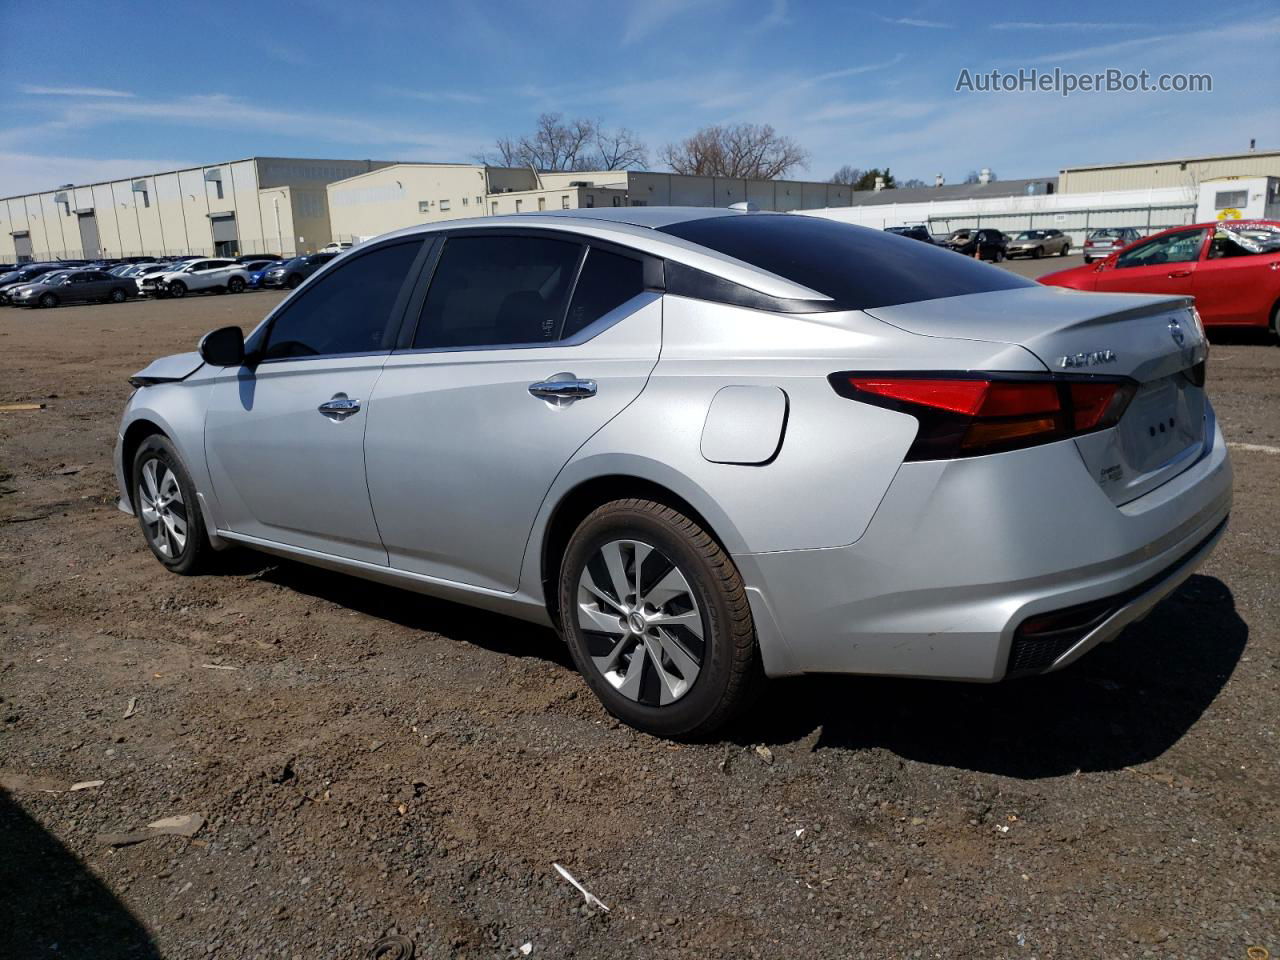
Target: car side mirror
<point x="223" y="347"/>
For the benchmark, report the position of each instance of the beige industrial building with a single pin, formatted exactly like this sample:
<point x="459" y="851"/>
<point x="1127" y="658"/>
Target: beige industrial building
<point x="257" y="205"/>
<point x="1186" y="172"/>
<point x="403" y="194"/>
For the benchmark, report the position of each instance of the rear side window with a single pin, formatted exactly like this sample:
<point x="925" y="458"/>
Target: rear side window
<point x="607" y="282"/>
<point x="347" y="311"/>
<point x="857" y="267"/>
<point x="497" y="291"/>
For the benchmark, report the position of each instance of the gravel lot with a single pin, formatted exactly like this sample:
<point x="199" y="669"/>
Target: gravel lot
<point x="371" y="762"/>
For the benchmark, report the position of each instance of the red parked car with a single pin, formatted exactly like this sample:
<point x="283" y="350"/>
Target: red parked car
<point x="1231" y="268"/>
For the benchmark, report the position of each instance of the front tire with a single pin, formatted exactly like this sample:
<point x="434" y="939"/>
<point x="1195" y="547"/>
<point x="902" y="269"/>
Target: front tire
<point x="294" y="281"/>
<point x="118" y="296"/>
<point x="1066" y="248"/>
<point x="177" y="290"/>
<point x="1275" y="322"/>
<point x="48" y="300"/>
<point x="657" y="620"/>
<point x="235" y="285"/>
<point x="164" y="499"/>
<point x="1037" y="253"/>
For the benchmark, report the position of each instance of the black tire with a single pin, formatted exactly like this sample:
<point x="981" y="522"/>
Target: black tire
<point x="195" y="554"/>
<point x="48" y="300"/>
<point x="1037" y="253"/>
<point x="1066" y="248"/>
<point x="730" y="665"/>
<point x="177" y="290"/>
<point x="235" y="285"/>
<point x="294" y="281"/>
<point x="1088" y="260"/>
<point x="1275" y="322"/>
<point x="118" y="296"/>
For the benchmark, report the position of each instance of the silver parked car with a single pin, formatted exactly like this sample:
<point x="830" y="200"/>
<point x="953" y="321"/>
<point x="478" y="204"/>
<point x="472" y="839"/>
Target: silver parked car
<point x="705" y="445"/>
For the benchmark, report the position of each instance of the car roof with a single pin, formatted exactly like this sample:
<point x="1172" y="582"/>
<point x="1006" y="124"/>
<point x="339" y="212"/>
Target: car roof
<point x="638" y="229"/>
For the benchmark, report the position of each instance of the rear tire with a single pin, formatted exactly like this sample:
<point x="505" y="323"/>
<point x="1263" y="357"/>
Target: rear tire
<point x="177" y="290"/>
<point x="164" y="500"/>
<point x="687" y="619"/>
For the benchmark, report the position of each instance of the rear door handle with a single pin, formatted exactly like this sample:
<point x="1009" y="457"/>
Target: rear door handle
<point x="339" y="407"/>
<point x="563" y="387"/>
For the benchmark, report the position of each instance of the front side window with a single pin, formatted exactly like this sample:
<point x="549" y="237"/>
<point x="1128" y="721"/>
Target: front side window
<point x="606" y="282"/>
<point x="495" y="291"/>
<point x="347" y="311"/>
<point x="1181" y="247"/>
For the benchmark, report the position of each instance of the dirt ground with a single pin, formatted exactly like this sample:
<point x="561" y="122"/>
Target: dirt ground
<point x="371" y="762"/>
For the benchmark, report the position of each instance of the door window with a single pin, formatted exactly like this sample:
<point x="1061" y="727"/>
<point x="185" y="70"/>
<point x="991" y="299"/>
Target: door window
<point x="607" y="282"/>
<point x="1244" y="242"/>
<point x="497" y="291"/>
<point x="1181" y="247"/>
<point x="347" y="311"/>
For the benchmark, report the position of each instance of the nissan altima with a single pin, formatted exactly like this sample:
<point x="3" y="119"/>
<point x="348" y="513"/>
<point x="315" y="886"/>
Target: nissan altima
<point x="707" y="446"/>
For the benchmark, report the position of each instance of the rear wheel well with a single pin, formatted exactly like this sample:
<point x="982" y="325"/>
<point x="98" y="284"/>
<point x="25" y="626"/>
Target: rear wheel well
<point x="134" y="435"/>
<point x="575" y="506"/>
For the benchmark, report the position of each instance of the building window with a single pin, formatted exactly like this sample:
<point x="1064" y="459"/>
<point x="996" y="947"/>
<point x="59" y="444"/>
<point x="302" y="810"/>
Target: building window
<point x="542" y="203"/>
<point x="465" y="201"/>
<point x="519" y="204"/>
<point x="564" y="202"/>
<point x="217" y="185"/>
<point x="445" y="205"/>
<point x="424" y="206"/>
<point x="146" y="198"/>
<point x="1230" y="198"/>
<point x="495" y="206"/>
<point x="479" y="200"/>
<point x="617" y="201"/>
<point x="591" y="199"/>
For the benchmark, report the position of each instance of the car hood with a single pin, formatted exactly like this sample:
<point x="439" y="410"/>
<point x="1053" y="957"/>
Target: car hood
<point x="168" y="369"/>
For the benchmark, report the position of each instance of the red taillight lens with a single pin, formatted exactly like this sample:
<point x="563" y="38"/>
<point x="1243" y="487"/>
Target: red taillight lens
<point x="966" y="415"/>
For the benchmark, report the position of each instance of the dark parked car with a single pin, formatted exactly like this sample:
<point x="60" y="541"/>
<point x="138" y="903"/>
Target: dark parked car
<point x="1039" y="243"/>
<point x="292" y="273"/>
<point x="1108" y="240"/>
<point x="916" y="232"/>
<point x="71" y="287"/>
<point x="16" y="278"/>
<point x="985" y="244"/>
<point x="253" y="257"/>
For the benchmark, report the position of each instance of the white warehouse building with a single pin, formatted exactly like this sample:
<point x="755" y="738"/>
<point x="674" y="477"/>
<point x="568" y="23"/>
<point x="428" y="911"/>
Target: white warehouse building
<point x="256" y="205"/>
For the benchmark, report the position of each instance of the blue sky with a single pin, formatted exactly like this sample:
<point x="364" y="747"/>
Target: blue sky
<point x="101" y="89"/>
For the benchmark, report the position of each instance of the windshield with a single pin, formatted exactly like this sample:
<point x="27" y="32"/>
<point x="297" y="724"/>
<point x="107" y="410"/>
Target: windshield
<point x="1253" y="237"/>
<point x="857" y="267"/>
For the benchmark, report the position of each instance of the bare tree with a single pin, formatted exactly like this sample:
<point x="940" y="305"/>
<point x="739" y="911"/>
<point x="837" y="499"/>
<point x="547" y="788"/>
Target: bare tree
<point x="743" y="150"/>
<point x="913" y="182"/>
<point x="579" y="144"/>
<point x="847" y="175"/>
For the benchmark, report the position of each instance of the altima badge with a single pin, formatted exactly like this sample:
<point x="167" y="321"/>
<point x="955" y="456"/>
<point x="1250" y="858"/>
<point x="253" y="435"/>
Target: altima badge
<point x="1092" y="359"/>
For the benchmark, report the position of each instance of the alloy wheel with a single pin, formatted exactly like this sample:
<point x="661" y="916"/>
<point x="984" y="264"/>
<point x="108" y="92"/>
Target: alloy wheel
<point x="643" y="626"/>
<point x="164" y="513"/>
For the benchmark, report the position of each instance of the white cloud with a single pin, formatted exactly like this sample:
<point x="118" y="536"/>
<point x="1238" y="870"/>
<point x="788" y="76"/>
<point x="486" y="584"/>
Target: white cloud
<point x="23" y="173"/>
<point x="915" y="22"/>
<point x="435" y="96"/>
<point x="38" y="91"/>
<point x="1067" y="25"/>
<point x="645" y="18"/>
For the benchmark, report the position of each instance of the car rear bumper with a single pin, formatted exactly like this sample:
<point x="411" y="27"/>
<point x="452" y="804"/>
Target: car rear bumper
<point x="960" y="554"/>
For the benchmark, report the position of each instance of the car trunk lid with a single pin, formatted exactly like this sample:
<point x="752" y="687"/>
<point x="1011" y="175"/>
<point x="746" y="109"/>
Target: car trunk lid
<point x="1155" y="341"/>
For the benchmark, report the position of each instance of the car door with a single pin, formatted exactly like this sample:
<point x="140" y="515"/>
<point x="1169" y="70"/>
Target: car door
<point x="284" y="434"/>
<point x="521" y="351"/>
<point x="1238" y="282"/>
<point x="83" y="286"/>
<point x="1165" y="263"/>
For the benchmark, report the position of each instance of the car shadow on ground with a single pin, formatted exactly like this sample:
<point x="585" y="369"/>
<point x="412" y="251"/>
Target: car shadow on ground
<point x="1124" y="703"/>
<point x="492" y="631"/>
<point x="51" y="905"/>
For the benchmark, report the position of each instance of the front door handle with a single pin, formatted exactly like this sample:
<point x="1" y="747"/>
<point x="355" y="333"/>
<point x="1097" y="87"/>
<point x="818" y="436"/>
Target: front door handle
<point x="1179" y="274"/>
<point x="339" y="407"/>
<point x="563" y="388"/>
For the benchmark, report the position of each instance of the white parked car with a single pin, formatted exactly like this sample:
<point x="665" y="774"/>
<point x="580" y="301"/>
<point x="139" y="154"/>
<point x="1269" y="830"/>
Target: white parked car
<point x="208" y="276"/>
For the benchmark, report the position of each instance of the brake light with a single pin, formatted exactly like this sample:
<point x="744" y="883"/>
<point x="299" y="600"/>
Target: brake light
<point x="965" y="415"/>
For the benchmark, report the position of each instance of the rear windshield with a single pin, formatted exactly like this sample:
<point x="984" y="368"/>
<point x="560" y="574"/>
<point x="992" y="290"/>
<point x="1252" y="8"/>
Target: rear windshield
<point x="857" y="267"/>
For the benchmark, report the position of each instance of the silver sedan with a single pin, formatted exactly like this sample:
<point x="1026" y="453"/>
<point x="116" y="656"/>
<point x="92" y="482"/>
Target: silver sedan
<point x="705" y="445"/>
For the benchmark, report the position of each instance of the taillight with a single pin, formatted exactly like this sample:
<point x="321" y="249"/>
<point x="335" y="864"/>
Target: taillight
<point x="966" y="415"/>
